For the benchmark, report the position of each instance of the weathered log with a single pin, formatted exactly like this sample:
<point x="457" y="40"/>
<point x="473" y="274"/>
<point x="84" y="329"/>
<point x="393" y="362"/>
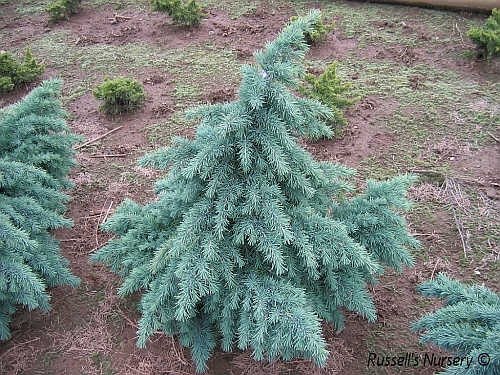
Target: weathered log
<point x="472" y="5"/>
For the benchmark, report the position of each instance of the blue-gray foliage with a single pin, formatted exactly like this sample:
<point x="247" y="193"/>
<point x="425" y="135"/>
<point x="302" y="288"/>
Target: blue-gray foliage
<point x="468" y="324"/>
<point x="35" y="158"/>
<point x="251" y="242"/>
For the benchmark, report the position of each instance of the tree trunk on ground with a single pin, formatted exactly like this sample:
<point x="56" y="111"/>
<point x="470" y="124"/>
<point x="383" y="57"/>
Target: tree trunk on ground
<point x="475" y="5"/>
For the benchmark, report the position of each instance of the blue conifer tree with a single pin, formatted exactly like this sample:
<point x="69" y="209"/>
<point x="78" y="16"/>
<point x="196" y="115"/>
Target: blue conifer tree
<point x="35" y="158"/>
<point x="251" y="242"/>
<point x="468" y="324"/>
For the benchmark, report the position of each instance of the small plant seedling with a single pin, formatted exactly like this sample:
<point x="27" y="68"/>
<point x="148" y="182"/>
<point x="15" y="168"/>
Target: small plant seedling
<point x="487" y="38"/>
<point x="188" y="14"/>
<point x="119" y="95"/>
<point x="330" y="90"/>
<point x="61" y="10"/>
<point x="14" y="73"/>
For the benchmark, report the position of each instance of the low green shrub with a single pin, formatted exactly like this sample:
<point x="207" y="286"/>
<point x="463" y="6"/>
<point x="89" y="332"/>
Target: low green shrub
<point x="487" y="38"/>
<point x="330" y="90"/>
<point x="188" y="14"/>
<point x="14" y="73"/>
<point x="319" y="31"/>
<point x="61" y="10"/>
<point x="120" y="95"/>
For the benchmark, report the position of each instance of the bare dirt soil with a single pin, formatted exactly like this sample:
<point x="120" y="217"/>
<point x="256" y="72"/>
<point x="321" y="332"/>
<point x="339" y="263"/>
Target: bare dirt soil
<point x="92" y="331"/>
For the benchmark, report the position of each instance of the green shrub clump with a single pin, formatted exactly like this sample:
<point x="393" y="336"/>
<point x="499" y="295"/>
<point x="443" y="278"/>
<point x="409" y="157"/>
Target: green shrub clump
<point x="487" y="38"/>
<point x="61" y="10"/>
<point x="14" y="73"/>
<point x="330" y="90"/>
<point x="120" y="95"/>
<point x="188" y="14"/>
<point x="318" y="32"/>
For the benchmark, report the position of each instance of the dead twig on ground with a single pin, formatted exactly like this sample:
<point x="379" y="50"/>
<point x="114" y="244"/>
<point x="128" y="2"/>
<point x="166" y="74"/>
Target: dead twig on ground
<point x="107" y="213"/>
<point x="459" y="200"/>
<point x="125" y="317"/>
<point x="109" y="156"/>
<point x="463" y="237"/>
<point x="118" y="18"/>
<point x="434" y="269"/>
<point x="99" y="222"/>
<point x="459" y="32"/>
<point x="98" y="138"/>
<point x="492" y="136"/>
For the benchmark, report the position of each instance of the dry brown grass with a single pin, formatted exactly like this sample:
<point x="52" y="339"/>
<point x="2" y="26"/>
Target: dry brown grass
<point x="424" y="192"/>
<point x="93" y="335"/>
<point x="18" y="358"/>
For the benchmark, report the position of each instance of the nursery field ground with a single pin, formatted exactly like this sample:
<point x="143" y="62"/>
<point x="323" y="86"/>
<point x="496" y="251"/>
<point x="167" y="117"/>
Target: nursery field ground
<point x="428" y="106"/>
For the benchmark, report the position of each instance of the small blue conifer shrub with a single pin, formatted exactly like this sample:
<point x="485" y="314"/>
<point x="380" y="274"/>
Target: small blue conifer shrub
<point x="468" y="325"/>
<point x="252" y="243"/>
<point x="35" y="158"/>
